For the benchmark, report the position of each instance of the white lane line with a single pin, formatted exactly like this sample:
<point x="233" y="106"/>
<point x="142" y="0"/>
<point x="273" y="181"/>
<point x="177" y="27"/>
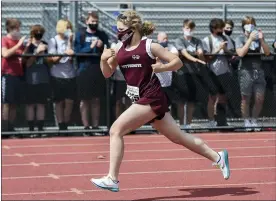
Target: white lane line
<point x="18" y="155"/>
<point x="138" y="173"/>
<point x="138" y="136"/>
<point x="137" y="160"/>
<point x="133" y="151"/>
<point x="148" y="188"/>
<point x="6" y="147"/>
<point x="132" y="143"/>
<point x="33" y="164"/>
<point x="53" y="176"/>
<point x="79" y="192"/>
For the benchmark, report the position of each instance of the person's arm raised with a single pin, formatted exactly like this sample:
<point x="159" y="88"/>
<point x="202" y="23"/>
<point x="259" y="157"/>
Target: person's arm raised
<point x="9" y="52"/>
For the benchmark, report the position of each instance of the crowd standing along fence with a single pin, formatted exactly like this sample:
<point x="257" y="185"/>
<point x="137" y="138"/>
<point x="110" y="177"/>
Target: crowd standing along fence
<point x="168" y="17"/>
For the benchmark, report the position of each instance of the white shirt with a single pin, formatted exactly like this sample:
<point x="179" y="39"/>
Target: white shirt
<point x="165" y="78"/>
<point x="65" y="67"/>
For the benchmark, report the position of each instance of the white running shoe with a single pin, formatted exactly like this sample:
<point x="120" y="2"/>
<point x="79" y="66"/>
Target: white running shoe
<point x="212" y="123"/>
<point x="247" y="125"/>
<point x="223" y="164"/>
<point x="188" y="128"/>
<point x="106" y="183"/>
<point x="255" y="125"/>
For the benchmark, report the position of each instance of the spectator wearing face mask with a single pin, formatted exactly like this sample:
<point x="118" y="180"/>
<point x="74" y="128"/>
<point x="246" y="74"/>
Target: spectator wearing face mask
<point x="192" y="51"/>
<point x="165" y="78"/>
<point x="12" y="73"/>
<point x="234" y="62"/>
<point x="63" y="72"/>
<point x="90" y="81"/>
<point x="228" y="30"/>
<point x="37" y="78"/>
<point x="217" y="43"/>
<point x="252" y="78"/>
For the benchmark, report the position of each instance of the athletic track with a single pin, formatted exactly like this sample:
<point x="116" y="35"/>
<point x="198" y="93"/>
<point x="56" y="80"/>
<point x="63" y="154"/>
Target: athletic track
<point x="153" y="168"/>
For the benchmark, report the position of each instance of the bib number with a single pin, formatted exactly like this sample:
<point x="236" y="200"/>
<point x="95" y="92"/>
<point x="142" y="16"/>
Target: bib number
<point x="133" y="93"/>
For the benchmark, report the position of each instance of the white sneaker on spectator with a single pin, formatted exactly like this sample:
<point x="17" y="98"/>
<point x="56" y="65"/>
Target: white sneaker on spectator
<point x="188" y="127"/>
<point x="212" y="123"/>
<point x="247" y="125"/>
<point x="255" y="124"/>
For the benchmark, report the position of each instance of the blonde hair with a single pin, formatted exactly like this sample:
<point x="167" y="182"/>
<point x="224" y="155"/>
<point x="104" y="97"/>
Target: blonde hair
<point x="63" y="25"/>
<point x="133" y="20"/>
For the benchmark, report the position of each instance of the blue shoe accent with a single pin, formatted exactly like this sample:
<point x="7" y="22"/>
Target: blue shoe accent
<point x="226" y="161"/>
<point x="106" y="188"/>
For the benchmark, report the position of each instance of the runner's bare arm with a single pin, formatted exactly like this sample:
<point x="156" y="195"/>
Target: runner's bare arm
<point x="108" y="62"/>
<point x="174" y="63"/>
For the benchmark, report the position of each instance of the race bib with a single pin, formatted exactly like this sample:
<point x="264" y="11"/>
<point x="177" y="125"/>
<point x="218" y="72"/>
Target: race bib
<point x="133" y="93"/>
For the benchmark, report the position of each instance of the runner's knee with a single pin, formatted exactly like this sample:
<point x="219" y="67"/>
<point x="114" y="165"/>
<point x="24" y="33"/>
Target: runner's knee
<point x="116" y="132"/>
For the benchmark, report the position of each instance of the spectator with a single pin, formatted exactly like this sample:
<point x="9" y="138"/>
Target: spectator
<point x="228" y="30"/>
<point x="252" y="78"/>
<point x="91" y="82"/>
<point x="37" y="78"/>
<point x="165" y="78"/>
<point x="217" y="43"/>
<point x="12" y="73"/>
<point x="122" y="101"/>
<point x="274" y="69"/>
<point x="63" y="72"/>
<point x="234" y="62"/>
<point x="188" y="45"/>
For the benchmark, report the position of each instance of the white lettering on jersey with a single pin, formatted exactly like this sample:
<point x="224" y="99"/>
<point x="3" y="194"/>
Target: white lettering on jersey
<point x="132" y="66"/>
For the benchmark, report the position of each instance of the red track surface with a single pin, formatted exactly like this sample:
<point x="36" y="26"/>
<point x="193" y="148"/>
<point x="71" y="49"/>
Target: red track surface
<point x="153" y="169"/>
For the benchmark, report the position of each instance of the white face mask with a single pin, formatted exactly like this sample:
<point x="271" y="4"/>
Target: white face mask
<point x="67" y="33"/>
<point x="188" y="33"/>
<point x="249" y="28"/>
<point x="15" y="35"/>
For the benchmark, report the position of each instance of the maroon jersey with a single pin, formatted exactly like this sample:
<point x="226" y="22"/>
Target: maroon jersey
<point x="143" y="86"/>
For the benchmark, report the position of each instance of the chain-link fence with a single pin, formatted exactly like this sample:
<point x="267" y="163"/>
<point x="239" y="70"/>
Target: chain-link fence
<point x="166" y="15"/>
<point x="168" y="18"/>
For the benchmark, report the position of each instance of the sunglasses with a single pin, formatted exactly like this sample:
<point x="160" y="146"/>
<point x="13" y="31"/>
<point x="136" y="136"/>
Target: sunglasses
<point x="121" y="17"/>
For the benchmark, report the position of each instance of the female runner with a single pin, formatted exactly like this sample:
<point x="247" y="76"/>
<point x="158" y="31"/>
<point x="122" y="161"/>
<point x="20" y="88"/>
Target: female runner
<point x="139" y="59"/>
